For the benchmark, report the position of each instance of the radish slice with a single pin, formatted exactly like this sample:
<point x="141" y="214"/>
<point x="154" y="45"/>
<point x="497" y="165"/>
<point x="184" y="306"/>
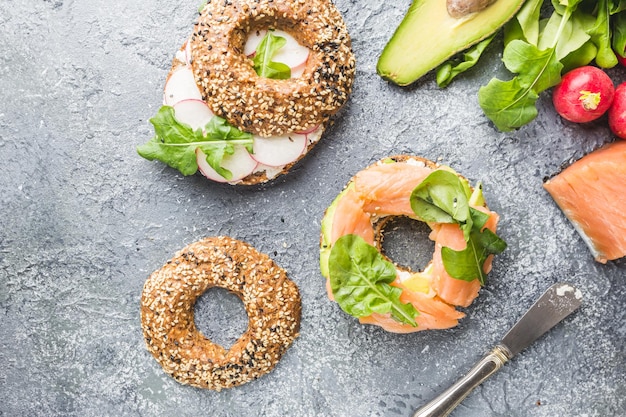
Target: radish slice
<point x="253" y="41"/>
<point x="315" y="135"/>
<point x="240" y="164"/>
<point x="181" y="85"/>
<point x="292" y="54"/>
<point x="297" y="72"/>
<point x="310" y="130"/>
<point x="278" y="150"/>
<point x="270" y="172"/>
<point x="193" y="112"/>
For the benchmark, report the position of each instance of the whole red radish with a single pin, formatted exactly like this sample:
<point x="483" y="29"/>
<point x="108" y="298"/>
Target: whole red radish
<point x="584" y="94"/>
<point x="617" y="112"/>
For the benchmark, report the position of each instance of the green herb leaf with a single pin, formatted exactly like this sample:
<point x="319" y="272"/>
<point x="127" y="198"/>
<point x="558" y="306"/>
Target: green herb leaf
<point x="360" y="278"/>
<point x="511" y="104"/>
<point x="508" y="104"/>
<point x="538" y="69"/>
<point x="175" y="143"/>
<point x="449" y="70"/>
<point x="262" y="61"/>
<point x="467" y="264"/>
<point x="619" y="33"/>
<point x="617" y="6"/>
<point x="536" y="50"/>
<point x="443" y="198"/>
<point x="525" y="25"/>
<point x="203" y="4"/>
<point x="601" y="37"/>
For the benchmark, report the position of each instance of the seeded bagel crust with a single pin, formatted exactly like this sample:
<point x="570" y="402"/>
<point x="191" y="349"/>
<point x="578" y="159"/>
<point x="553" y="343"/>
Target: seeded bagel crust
<point x="263" y="106"/>
<point x="271" y="300"/>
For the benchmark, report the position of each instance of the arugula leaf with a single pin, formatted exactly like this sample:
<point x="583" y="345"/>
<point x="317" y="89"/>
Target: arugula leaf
<point x="601" y="37"/>
<point x="525" y="25"/>
<point x="619" y="33"/>
<point x="467" y="264"/>
<point x="175" y="143"/>
<point x="449" y="70"/>
<point x="262" y="60"/>
<point x="360" y="278"/>
<point x="538" y="69"/>
<point x="573" y="34"/>
<point x="507" y="103"/>
<point x="443" y="198"/>
<point x="511" y="104"/>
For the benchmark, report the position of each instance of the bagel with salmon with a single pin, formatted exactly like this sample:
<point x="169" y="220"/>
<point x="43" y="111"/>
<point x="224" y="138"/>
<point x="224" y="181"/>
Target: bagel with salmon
<point x="368" y="285"/>
<point x="252" y="89"/>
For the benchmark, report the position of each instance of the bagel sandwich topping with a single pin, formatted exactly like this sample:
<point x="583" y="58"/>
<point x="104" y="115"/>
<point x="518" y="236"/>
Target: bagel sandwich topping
<point x="176" y="143"/>
<point x="443" y="197"/>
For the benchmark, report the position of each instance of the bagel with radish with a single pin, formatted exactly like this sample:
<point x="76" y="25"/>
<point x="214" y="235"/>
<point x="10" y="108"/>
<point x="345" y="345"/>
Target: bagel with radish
<point x="251" y="90"/>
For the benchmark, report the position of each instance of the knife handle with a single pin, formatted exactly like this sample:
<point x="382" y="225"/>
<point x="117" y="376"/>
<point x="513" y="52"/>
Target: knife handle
<point x="443" y="405"/>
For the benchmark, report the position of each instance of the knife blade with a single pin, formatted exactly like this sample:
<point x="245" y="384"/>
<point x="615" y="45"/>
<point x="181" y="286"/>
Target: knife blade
<point x="558" y="302"/>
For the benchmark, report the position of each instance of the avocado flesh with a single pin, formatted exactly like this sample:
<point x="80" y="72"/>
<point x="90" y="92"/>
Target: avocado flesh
<point x="327" y="226"/>
<point x="428" y="35"/>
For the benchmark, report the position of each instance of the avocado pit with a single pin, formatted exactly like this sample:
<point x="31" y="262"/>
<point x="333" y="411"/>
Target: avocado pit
<point x="462" y="8"/>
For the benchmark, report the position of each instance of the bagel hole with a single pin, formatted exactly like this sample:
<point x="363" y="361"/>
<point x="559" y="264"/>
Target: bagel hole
<point x="220" y="316"/>
<point x="251" y="40"/>
<point x="406" y="242"/>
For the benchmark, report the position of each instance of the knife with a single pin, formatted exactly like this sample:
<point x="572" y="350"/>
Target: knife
<point x="559" y="301"/>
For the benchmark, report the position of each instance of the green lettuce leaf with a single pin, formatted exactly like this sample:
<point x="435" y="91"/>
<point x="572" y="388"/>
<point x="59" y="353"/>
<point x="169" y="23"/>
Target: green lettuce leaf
<point x="360" y="278"/>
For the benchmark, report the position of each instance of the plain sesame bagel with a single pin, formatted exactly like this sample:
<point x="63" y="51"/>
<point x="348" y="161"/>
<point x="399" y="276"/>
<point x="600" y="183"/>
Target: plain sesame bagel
<point x="271" y="300"/>
<point x="263" y="106"/>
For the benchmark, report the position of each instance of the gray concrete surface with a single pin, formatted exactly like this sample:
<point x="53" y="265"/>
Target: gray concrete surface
<point x="84" y="220"/>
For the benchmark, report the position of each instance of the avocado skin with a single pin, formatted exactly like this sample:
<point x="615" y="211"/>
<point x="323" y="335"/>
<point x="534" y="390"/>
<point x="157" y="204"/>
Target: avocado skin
<point x="428" y="36"/>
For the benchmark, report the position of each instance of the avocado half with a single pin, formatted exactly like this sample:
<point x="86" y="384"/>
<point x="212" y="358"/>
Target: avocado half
<point x="428" y="35"/>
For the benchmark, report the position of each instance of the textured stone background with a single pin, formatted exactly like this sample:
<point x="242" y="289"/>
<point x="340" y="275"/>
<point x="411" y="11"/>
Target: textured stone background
<point x="84" y="220"/>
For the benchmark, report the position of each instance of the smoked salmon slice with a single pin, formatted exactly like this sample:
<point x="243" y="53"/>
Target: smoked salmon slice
<point x="386" y="188"/>
<point x="592" y="194"/>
